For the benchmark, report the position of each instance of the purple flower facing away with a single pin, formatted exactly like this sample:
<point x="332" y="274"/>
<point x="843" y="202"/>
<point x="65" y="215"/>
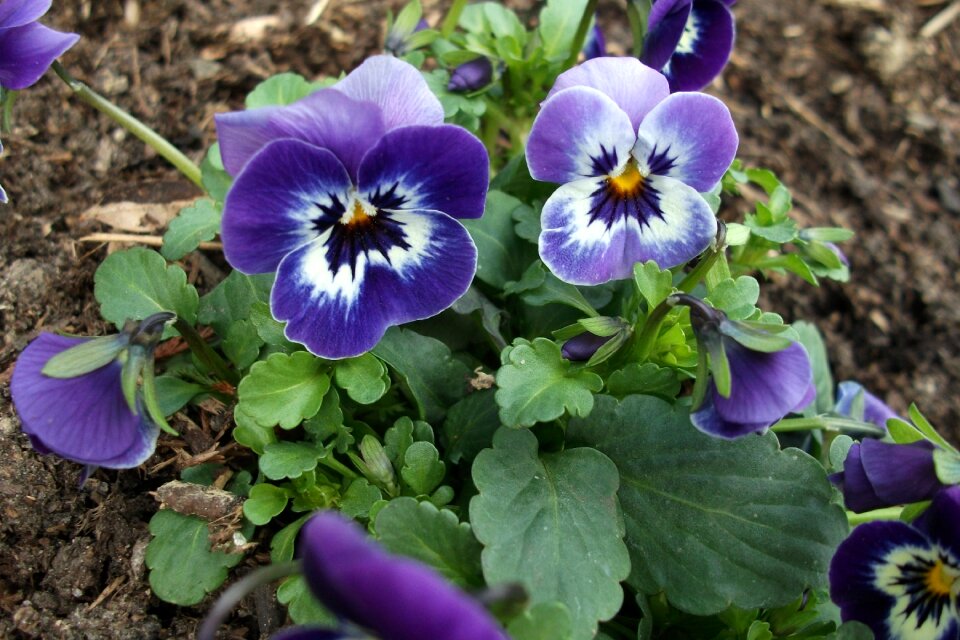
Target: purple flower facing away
<point x="689" y="41"/>
<point x="472" y="75"/>
<point x="582" y="347"/>
<point x="87" y="418"/>
<point x="875" y="410"/>
<point x="393" y="597"/>
<point x="27" y="48"/>
<point x="903" y="581"/>
<point x="351" y="196"/>
<point x="881" y="474"/>
<point x="596" y="44"/>
<point x="631" y="160"/>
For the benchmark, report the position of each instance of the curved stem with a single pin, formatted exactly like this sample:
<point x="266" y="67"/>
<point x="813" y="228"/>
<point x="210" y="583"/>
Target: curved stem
<point x="826" y="423"/>
<point x="888" y="513"/>
<point x="160" y="144"/>
<point x="581" y="36"/>
<point x="205" y="352"/>
<point x="638" y="15"/>
<point x="642" y="345"/>
<point x="235" y="593"/>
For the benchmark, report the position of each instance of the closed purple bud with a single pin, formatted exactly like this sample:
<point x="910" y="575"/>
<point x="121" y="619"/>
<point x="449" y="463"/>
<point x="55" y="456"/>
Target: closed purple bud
<point x="582" y="347"/>
<point x="471" y="75"/>
<point x="596" y="44"/>
<point x="880" y="474"/>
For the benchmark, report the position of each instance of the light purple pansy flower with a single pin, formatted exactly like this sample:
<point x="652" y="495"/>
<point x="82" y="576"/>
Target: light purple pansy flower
<point x="27" y="48"/>
<point x="901" y="580"/>
<point x="690" y="41"/>
<point x="631" y="160"/>
<point x="875" y="410"/>
<point x="882" y="474"/>
<point x="393" y="597"/>
<point x="351" y="196"/>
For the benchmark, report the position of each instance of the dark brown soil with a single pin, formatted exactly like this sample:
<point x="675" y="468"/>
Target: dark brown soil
<point x="847" y="100"/>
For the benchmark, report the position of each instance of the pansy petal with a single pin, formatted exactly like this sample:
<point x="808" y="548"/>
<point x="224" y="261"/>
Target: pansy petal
<point x="589" y="239"/>
<point x="326" y="118"/>
<point x="397" y="88"/>
<point x="16" y="13"/>
<point x="3" y="195"/>
<point x="704" y="48"/>
<point x="941" y="521"/>
<point x="665" y="26"/>
<point x="308" y="633"/>
<point x="900" y="473"/>
<point x="395" y="597"/>
<point x="85" y="419"/>
<point x="339" y="295"/>
<point x="859" y="495"/>
<point x="27" y="52"/>
<point x="875" y="410"/>
<point x="708" y="420"/>
<point x="690" y="137"/>
<point x="275" y="201"/>
<point x="579" y="133"/>
<point x="632" y="85"/>
<point x="444" y="168"/>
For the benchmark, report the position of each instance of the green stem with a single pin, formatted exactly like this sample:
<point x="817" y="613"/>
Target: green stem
<point x="719" y="271"/>
<point x="452" y="18"/>
<point x="331" y="463"/>
<point x="7" y="98"/>
<point x="238" y="590"/>
<point x="822" y="423"/>
<point x="692" y="279"/>
<point x="638" y="16"/>
<point x="581" y="36"/>
<point x="643" y="343"/>
<point x="888" y="513"/>
<point x="205" y="352"/>
<point x="517" y="134"/>
<point x="160" y="144"/>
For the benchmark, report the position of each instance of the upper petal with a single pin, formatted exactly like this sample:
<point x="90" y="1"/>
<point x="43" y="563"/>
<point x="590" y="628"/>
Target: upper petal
<point x="326" y="118"/>
<point x="397" y="88"/>
<point x="579" y="133"/>
<point x="275" y="203"/>
<point x="26" y="52"/>
<point x="941" y="522"/>
<point x="632" y="85"/>
<point x="665" y="26"/>
<point x="16" y="13"/>
<point x="445" y="168"/>
<point x="704" y="48"/>
<point x="711" y="422"/>
<point x="900" y="473"/>
<point x="690" y="137"/>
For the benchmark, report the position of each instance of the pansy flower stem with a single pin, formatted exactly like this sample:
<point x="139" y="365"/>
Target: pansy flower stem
<point x="706" y="264"/>
<point x="887" y="513"/>
<point x="150" y="137"/>
<point x="827" y="423"/>
<point x="332" y="463"/>
<point x="205" y="352"/>
<point x="238" y="590"/>
<point x="642" y="345"/>
<point x="581" y="36"/>
<point x="452" y="18"/>
<point x="7" y="98"/>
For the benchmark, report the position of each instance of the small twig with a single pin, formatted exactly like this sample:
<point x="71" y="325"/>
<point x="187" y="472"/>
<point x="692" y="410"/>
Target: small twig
<point x="941" y="21"/>
<point x="106" y="593"/>
<point x="151" y="241"/>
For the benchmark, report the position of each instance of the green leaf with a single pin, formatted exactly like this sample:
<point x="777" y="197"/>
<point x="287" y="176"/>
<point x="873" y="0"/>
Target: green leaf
<point x="552" y="523"/>
<point x="364" y="378"/>
<point x="903" y="432"/>
<point x="285" y="389"/>
<point x="470" y="426"/>
<point x="135" y="283"/>
<point x="281" y="89"/>
<point x="780" y="232"/>
<point x="282" y="545"/>
<point x="947" y="464"/>
<point x="328" y="424"/>
<point x="539" y="287"/>
<point x="473" y="301"/>
<point x="813" y="342"/>
<point x="537" y="385"/>
<point x="250" y="433"/>
<point x="544" y="621"/>
<point x="199" y="222"/>
<point x="924" y="426"/>
<point x="182" y="568"/>
<point x="270" y="330"/>
<point x="242" y="343"/>
<point x="500" y="253"/>
<point x="646" y="378"/>
<point x="359" y="498"/>
<point x="422" y="469"/>
<point x="755" y="339"/>
<point x="302" y="605"/>
<point x="173" y="393"/>
<point x="852" y="630"/>
<point x="265" y="502"/>
<point x="215" y="178"/>
<point x="433" y="536"/>
<point x="433" y="377"/>
<point x="712" y="522"/>
<point x="232" y="300"/>
<point x="288" y="459"/>
<point x="653" y="283"/>
<point x="559" y="20"/>
<point x="738" y="298"/>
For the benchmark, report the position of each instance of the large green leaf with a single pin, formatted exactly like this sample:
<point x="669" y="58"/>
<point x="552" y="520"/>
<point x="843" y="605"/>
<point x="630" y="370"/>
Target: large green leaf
<point x="232" y="300"/>
<point x="500" y="253"/>
<point x="284" y="389"/>
<point x="470" y="425"/>
<point x="552" y="523"/>
<point x="559" y="20"/>
<point x="713" y="522"/>
<point x="433" y="536"/>
<point x="197" y="223"/>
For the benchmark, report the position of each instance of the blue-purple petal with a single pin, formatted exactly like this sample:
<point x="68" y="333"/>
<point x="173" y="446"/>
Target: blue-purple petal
<point x="397" y="88"/>
<point x="875" y="410"/>
<point x="338" y="308"/>
<point x="3" y="195"/>
<point x="579" y="133"/>
<point x="85" y="419"/>
<point x="444" y="168"/>
<point x="690" y="137"/>
<point x="27" y="51"/>
<point x="308" y="633"/>
<point x="327" y="118"/>
<point x="859" y="495"/>
<point x="396" y="598"/>
<point x="665" y="26"/>
<point x="472" y="75"/>
<point x="704" y="48"/>
<point x="941" y="521"/>
<point x="596" y="44"/>
<point x="900" y="473"/>
<point x="274" y="203"/>
<point x="16" y="13"/>
<point x="582" y="347"/>
<point x="632" y="85"/>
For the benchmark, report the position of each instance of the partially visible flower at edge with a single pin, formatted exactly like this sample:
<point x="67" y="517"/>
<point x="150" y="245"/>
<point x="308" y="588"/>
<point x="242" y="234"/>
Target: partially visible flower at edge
<point x="88" y="418"/>
<point x="875" y="410"/>
<point x="631" y="160"/>
<point x="903" y="581"/>
<point x="394" y="597"/>
<point x="28" y="48"/>
<point x="351" y="196"/>
<point x="690" y="41"/>
<point x="472" y="75"/>
<point x="596" y="44"/>
<point x="882" y="474"/>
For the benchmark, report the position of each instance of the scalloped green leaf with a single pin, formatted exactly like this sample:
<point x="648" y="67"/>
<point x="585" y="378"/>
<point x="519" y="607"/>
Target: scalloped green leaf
<point x="288" y="459"/>
<point x="363" y="378"/>
<point x="199" y="222"/>
<point x="285" y="389"/>
<point x="552" y="523"/>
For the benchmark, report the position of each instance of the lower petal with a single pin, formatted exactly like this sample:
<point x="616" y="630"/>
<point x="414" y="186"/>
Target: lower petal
<point x="711" y="422"/>
<point x="340" y="308"/>
<point x="27" y="52"/>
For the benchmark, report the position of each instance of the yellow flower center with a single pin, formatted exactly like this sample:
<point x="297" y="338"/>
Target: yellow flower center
<point x="358" y="215"/>
<point x="940" y="579"/>
<point x="629" y="183"/>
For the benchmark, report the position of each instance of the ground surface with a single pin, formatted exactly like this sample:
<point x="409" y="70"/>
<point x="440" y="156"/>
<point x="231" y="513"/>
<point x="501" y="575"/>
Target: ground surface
<point x="855" y="103"/>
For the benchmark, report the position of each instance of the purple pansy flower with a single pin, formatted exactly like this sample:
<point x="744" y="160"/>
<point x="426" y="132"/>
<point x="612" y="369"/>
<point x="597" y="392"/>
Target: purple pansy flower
<point x="596" y="44"/>
<point x="631" y="159"/>
<point x="875" y="410"/>
<point x="351" y="196"/>
<point x="396" y="598"/>
<point x="903" y="581"/>
<point x="87" y="417"/>
<point x="472" y="75"/>
<point x="582" y="347"/>
<point x="881" y="474"/>
<point x="27" y="48"/>
<point x="689" y="41"/>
